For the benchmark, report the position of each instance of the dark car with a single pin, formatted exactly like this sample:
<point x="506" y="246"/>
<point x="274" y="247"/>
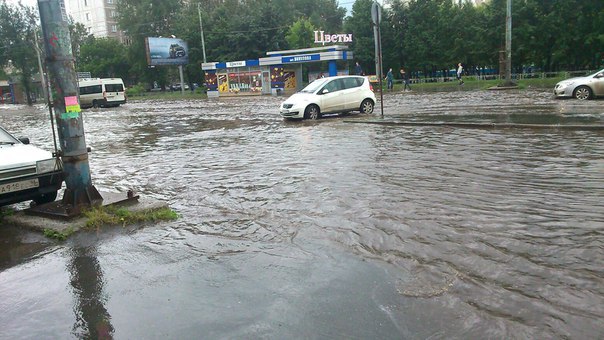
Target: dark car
<point x="27" y="172"/>
<point x="177" y="51"/>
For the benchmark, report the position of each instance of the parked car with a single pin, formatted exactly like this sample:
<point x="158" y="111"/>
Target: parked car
<point x="340" y="94"/>
<point x="27" y="172"/>
<point x="581" y="87"/>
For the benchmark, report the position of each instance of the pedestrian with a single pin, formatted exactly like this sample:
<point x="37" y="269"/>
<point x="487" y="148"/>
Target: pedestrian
<point x="405" y="77"/>
<point x="459" y="73"/>
<point x="390" y="79"/>
<point x="358" y="70"/>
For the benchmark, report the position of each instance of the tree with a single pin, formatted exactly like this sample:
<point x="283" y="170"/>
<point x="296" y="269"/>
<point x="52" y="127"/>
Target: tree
<point x="104" y="58"/>
<point x="142" y="19"/>
<point x="361" y="27"/>
<point x="300" y="34"/>
<point x="17" y="26"/>
<point x="79" y="36"/>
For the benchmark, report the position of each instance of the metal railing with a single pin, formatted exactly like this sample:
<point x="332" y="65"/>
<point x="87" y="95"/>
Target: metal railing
<point x="515" y="76"/>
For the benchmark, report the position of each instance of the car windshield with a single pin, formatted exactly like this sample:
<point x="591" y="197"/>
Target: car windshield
<point x="6" y="138"/>
<point x="314" y="86"/>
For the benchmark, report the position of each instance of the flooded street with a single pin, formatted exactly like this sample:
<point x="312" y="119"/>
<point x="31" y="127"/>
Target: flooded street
<point x="325" y="229"/>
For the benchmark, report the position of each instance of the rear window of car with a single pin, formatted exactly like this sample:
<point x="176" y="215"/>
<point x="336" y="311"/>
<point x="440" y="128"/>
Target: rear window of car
<point x="352" y="82"/>
<point x="114" y="87"/>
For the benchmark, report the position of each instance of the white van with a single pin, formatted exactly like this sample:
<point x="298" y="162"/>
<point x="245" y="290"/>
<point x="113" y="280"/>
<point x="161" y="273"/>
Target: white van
<point x="101" y="92"/>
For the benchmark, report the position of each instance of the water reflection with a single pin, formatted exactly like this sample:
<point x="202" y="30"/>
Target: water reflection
<point x="92" y="320"/>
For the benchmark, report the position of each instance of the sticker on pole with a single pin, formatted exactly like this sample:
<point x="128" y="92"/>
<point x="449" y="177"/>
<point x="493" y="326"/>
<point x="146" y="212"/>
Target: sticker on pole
<point x="72" y="105"/>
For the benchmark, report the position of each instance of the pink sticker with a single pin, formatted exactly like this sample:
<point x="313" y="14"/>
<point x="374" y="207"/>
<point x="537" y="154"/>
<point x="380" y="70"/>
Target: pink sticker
<point x="71" y="101"/>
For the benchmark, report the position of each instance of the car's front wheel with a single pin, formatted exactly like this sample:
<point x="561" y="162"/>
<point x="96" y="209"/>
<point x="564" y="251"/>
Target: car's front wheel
<point x="583" y="93"/>
<point x="95" y="104"/>
<point x="367" y="106"/>
<point x="312" y="112"/>
<point x="46" y="198"/>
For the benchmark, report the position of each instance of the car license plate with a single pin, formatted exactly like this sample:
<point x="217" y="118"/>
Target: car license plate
<point x="18" y="186"/>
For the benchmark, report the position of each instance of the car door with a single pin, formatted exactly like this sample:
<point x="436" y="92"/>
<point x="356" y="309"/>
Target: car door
<point x="332" y="99"/>
<point x="598" y="84"/>
<point x="350" y="93"/>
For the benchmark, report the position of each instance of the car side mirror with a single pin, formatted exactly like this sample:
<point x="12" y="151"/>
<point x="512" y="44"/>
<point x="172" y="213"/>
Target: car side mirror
<point x="324" y="91"/>
<point x="599" y="75"/>
<point x="24" y="140"/>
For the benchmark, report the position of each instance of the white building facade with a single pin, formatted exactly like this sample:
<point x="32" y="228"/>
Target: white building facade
<point x="99" y="17"/>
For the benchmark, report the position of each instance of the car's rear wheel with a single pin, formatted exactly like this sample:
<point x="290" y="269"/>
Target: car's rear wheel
<point x="583" y="92"/>
<point x="312" y="112"/>
<point x="46" y="198"/>
<point x="367" y="106"/>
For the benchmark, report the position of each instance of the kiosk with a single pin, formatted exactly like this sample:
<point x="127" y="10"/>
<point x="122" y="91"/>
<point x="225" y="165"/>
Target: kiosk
<point x="275" y="74"/>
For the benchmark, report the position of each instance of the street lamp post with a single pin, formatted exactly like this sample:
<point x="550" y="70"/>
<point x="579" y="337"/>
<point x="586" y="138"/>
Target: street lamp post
<point x="203" y="44"/>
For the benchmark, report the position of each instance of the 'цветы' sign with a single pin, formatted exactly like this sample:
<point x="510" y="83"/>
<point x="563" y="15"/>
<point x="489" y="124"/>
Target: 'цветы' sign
<point x="322" y="38"/>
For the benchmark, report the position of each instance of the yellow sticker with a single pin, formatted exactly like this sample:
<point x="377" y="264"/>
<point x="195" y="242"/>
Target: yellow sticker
<point x="72" y="108"/>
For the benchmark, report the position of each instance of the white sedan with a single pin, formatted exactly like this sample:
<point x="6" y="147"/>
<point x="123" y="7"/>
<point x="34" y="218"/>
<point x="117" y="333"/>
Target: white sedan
<point x="27" y="172"/>
<point x="581" y="87"/>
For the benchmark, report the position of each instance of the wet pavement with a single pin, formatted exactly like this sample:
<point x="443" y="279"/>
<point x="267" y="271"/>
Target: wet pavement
<point x="325" y="229"/>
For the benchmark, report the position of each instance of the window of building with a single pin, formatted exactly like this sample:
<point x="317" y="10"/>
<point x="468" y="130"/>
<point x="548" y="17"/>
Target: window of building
<point x="113" y="28"/>
<point x="87" y="16"/>
<point x="113" y="14"/>
<point x="85" y="3"/>
<point x="109" y="1"/>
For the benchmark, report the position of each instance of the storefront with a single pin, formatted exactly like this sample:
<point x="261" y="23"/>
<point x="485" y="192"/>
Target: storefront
<point x="279" y="72"/>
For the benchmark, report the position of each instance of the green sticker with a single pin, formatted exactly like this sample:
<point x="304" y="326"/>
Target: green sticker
<point x="69" y="115"/>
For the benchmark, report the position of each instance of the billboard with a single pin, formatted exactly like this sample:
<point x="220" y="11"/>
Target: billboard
<point x="166" y="51"/>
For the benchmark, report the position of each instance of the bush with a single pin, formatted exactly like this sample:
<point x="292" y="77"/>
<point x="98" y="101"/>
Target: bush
<point x="136" y="90"/>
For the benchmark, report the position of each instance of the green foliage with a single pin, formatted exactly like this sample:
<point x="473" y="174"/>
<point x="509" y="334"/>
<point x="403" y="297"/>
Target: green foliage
<point x="17" y="26"/>
<point x="136" y="90"/>
<point x="104" y="58"/>
<point x="58" y="235"/>
<point x="300" y="34"/>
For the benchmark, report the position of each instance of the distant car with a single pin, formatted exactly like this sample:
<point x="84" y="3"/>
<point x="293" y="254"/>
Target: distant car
<point x="582" y="88"/>
<point x="340" y="94"/>
<point x="177" y="51"/>
<point x="27" y="172"/>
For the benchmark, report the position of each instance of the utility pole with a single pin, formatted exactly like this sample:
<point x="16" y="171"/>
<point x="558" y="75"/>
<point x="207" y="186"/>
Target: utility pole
<point x="203" y="44"/>
<point x="376" y="17"/>
<point x="508" y="44"/>
<point x="80" y="192"/>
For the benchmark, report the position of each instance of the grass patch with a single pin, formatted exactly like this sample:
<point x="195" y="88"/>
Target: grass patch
<point x="58" y="235"/>
<point x="115" y="215"/>
<point x="140" y="94"/>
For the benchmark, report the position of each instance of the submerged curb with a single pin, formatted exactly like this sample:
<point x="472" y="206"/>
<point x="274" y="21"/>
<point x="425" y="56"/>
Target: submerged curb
<point x="483" y="125"/>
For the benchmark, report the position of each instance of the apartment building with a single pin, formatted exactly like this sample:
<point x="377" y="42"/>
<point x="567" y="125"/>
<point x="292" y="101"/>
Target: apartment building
<point x="99" y="17"/>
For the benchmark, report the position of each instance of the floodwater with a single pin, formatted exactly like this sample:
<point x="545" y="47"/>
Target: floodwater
<point x="325" y="229"/>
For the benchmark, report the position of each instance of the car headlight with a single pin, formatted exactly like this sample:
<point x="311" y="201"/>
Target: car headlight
<point x="565" y="83"/>
<point x="47" y="165"/>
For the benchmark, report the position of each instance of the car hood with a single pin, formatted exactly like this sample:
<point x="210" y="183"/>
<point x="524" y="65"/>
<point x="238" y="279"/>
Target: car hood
<point x="20" y="155"/>
<point x="300" y="97"/>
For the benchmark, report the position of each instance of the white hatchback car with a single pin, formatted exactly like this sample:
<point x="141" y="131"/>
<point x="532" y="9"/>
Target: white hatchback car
<point x="581" y="87"/>
<point x="338" y="94"/>
<point x="27" y="172"/>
